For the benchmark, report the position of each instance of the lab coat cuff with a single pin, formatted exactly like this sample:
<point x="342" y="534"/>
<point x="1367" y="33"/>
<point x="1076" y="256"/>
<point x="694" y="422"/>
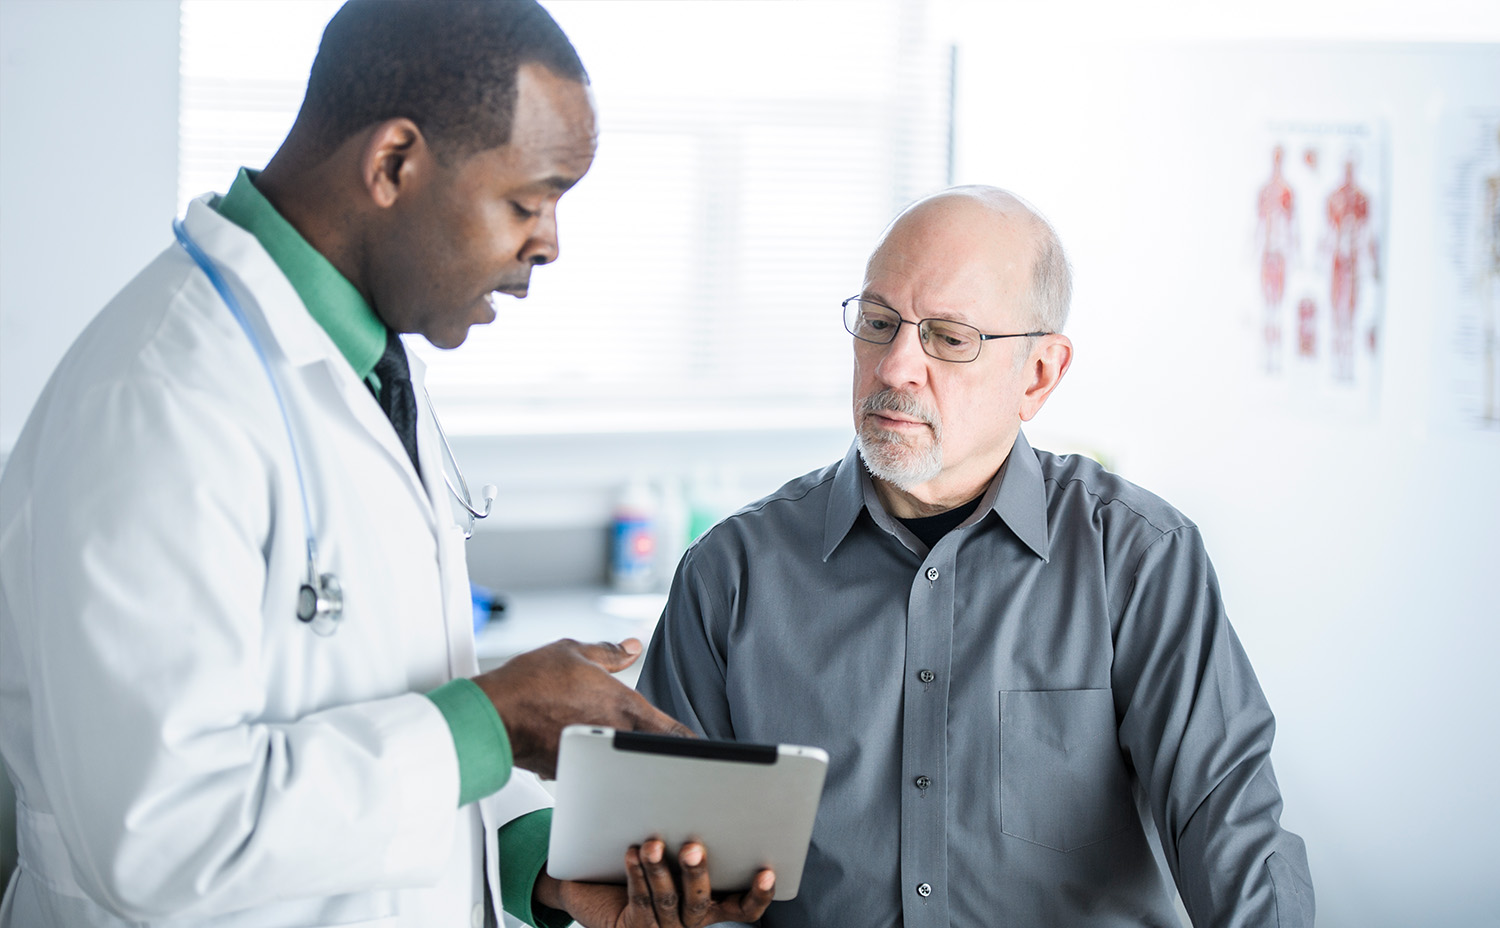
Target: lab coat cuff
<point x="523" y="855"/>
<point x="427" y="774"/>
<point x="479" y="738"/>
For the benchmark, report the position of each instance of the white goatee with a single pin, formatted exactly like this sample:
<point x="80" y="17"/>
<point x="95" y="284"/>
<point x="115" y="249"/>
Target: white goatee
<point x="899" y="459"/>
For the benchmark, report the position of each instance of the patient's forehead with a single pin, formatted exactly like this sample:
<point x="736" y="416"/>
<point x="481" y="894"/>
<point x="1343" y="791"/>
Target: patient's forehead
<point x="959" y="257"/>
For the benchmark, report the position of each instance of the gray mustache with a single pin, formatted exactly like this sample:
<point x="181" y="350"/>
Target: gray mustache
<point x="903" y="403"/>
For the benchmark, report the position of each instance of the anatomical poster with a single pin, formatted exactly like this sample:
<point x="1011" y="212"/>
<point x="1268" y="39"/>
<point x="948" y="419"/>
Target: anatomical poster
<point x="1318" y="207"/>
<point x="1468" y="355"/>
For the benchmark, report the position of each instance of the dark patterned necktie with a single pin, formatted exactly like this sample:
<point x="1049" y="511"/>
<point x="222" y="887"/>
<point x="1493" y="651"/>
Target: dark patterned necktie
<point x="396" y="396"/>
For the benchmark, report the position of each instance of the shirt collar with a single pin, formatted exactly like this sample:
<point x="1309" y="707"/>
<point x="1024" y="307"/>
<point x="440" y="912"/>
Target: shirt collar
<point x="1017" y="494"/>
<point x="1020" y="497"/>
<point x="330" y="298"/>
<point x="845" y="502"/>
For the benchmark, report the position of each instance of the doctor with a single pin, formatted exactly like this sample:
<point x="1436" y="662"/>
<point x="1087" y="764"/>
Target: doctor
<point x="237" y="674"/>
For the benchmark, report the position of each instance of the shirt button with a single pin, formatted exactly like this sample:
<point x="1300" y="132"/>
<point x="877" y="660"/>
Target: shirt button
<point x="932" y="574"/>
<point x="924" y="889"/>
<point x="923" y="782"/>
<point x="926" y="676"/>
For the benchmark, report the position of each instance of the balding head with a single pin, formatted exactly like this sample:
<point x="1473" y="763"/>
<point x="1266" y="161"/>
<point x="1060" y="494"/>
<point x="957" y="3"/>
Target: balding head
<point x="991" y="231"/>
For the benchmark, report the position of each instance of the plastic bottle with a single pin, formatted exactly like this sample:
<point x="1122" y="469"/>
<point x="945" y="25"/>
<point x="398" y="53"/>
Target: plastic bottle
<point x="633" y="540"/>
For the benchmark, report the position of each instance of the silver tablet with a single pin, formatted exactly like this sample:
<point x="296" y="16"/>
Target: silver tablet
<point x="751" y="805"/>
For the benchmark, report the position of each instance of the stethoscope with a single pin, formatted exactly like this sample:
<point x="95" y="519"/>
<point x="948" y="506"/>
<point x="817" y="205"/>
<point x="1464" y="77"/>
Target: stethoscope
<point x="320" y="599"/>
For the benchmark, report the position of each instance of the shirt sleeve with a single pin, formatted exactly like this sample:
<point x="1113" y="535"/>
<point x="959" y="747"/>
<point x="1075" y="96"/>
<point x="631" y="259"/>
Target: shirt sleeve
<point x="683" y="673"/>
<point x="523" y="855"/>
<point x="479" y="738"/>
<point x="1197" y="729"/>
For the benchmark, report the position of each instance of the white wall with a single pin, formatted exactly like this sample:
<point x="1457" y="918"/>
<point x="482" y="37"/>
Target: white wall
<point x="1358" y="554"/>
<point x="88" y="172"/>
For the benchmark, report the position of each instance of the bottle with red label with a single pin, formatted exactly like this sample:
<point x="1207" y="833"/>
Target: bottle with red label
<point x="633" y="540"/>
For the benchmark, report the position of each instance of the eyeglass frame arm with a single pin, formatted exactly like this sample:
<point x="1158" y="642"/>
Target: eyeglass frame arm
<point x="904" y="321"/>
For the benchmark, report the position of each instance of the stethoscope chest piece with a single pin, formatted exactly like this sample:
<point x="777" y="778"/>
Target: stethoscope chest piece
<point x="321" y="606"/>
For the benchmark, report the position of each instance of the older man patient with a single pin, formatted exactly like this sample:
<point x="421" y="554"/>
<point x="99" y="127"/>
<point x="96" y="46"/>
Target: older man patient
<point x="1019" y="663"/>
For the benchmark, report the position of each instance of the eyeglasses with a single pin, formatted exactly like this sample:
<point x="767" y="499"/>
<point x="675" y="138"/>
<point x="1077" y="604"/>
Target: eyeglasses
<point x="943" y="339"/>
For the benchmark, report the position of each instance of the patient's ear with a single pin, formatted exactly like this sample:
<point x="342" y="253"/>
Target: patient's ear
<point x="1049" y="361"/>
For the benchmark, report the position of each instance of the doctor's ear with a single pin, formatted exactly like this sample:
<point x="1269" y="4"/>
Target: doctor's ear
<point x="394" y="153"/>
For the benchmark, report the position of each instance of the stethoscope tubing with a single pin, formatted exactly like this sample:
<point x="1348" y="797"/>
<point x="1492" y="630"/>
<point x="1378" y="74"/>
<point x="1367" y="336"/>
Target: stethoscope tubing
<point x="460" y="492"/>
<point x="235" y="309"/>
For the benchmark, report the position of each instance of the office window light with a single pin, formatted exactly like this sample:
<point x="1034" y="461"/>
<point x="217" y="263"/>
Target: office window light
<point x="749" y="155"/>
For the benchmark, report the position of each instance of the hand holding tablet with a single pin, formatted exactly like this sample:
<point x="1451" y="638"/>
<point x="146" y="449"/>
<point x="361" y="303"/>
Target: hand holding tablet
<point x="653" y="897"/>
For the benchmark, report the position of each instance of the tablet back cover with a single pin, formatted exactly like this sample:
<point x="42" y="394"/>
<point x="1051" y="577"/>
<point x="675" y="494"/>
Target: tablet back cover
<point x="752" y="806"/>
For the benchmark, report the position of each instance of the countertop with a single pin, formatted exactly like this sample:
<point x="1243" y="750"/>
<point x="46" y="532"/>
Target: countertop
<point x="533" y="618"/>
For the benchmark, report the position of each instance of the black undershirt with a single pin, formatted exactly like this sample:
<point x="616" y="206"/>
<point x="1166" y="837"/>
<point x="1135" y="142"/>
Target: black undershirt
<point x="931" y="529"/>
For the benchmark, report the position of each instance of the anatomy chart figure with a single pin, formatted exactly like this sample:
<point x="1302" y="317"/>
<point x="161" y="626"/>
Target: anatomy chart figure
<point x="1307" y="328"/>
<point x="1276" y="235"/>
<point x="1349" y="223"/>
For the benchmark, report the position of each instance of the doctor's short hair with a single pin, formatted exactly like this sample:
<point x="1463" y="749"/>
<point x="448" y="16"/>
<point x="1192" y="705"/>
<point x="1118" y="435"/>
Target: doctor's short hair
<point x="450" y="67"/>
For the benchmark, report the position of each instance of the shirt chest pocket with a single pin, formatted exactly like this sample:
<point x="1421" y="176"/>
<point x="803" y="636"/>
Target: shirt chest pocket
<point x="1063" y="781"/>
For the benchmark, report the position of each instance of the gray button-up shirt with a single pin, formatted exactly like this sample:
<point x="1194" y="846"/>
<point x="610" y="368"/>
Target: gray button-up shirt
<point x="1011" y="717"/>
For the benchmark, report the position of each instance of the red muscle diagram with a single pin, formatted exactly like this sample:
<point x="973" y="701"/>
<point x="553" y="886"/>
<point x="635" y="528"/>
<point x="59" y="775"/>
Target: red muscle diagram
<point x="1277" y="239"/>
<point x="1351" y="235"/>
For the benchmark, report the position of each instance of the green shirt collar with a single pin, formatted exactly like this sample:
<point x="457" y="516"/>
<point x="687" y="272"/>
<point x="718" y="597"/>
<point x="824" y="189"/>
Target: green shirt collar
<point x="329" y="296"/>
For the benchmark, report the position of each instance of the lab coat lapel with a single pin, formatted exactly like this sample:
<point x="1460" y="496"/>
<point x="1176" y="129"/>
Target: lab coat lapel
<point x="429" y="453"/>
<point x="458" y="599"/>
<point x="282" y="322"/>
<point x="361" y="404"/>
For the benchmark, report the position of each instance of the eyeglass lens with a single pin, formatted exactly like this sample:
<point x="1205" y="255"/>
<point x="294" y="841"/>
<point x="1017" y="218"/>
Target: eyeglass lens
<point x="940" y="338"/>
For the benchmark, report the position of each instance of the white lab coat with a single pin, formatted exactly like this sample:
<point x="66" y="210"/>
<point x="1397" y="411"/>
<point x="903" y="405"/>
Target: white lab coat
<point x="184" y="750"/>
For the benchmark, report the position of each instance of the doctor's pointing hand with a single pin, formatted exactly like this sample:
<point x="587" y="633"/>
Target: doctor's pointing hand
<point x="541" y="692"/>
<point x="238" y="681"/>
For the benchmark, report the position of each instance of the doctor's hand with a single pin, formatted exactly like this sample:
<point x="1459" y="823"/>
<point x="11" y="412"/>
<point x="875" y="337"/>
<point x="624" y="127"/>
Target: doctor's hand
<point x="540" y="692"/>
<point x="653" y="897"/>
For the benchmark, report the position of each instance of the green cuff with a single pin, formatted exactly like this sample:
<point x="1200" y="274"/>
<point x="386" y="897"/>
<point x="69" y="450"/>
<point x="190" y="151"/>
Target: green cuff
<point x="483" y="747"/>
<point x="523" y="854"/>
